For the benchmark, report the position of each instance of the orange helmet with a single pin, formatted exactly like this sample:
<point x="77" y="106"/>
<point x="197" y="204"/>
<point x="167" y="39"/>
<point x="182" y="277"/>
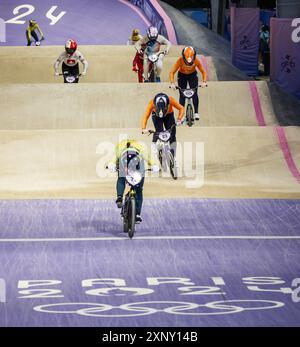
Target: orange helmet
<point x="189" y="55"/>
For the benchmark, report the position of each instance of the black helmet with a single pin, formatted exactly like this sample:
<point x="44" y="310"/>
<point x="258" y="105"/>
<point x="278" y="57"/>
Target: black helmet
<point x="161" y="104"/>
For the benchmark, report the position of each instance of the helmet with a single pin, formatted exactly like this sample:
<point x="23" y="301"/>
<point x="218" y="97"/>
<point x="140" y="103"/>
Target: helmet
<point x="32" y="22"/>
<point x="161" y="104"/>
<point x="71" y="46"/>
<point x="189" y="55"/>
<point x="130" y="159"/>
<point x="135" y="36"/>
<point x="152" y="33"/>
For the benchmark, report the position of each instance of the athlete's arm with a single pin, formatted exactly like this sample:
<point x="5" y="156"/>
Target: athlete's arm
<point x="139" y="43"/>
<point x="179" y="107"/>
<point x="84" y="63"/>
<point x="135" y="61"/>
<point x="58" y="61"/>
<point x="201" y="69"/>
<point x="40" y="31"/>
<point x="147" y="114"/>
<point x="163" y="41"/>
<point x="175" y="68"/>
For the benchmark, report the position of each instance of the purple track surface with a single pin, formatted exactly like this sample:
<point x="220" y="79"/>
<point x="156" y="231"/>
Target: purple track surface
<point x="185" y="241"/>
<point x="90" y="22"/>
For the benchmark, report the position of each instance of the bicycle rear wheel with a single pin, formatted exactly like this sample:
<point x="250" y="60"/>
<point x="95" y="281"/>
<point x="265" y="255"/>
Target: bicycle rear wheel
<point x="189" y="115"/>
<point x="131" y="217"/>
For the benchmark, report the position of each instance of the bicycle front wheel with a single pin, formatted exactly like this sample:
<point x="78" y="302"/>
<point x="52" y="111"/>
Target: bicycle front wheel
<point x="131" y="217"/>
<point x="125" y="217"/>
<point x="189" y="115"/>
<point x="173" y="169"/>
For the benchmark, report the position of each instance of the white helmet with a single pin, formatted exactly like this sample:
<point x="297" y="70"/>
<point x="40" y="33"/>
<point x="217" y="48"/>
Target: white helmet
<point x="152" y="33"/>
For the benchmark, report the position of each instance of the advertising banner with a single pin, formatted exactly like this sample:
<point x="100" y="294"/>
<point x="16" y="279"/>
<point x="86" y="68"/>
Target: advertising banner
<point x="285" y="54"/>
<point x="245" y="39"/>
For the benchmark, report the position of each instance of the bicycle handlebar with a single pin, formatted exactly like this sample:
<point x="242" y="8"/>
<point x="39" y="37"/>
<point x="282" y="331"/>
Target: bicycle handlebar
<point x="157" y="132"/>
<point x="117" y="169"/>
<point x="157" y="53"/>
<point x="183" y="89"/>
<point x="68" y="74"/>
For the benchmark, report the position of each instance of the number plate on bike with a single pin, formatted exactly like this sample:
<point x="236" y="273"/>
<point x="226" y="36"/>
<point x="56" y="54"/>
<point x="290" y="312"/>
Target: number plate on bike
<point x="70" y="79"/>
<point x="165" y="136"/>
<point x="188" y="93"/>
<point x="134" y="178"/>
<point x="153" y="58"/>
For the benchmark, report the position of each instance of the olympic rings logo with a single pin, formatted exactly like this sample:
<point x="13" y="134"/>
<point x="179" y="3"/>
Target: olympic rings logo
<point x="145" y="308"/>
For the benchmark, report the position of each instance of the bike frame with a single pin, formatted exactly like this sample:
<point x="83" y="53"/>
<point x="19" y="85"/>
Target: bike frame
<point x="189" y="101"/>
<point x="152" y="65"/>
<point x="67" y="74"/>
<point x="164" y="150"/>
<point x="130" y="196"/>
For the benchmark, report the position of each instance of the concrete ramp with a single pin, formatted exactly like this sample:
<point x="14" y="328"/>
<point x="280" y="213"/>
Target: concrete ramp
<point x="53" y="136"/>
<point x="106" y="64"/>
<point x="238" y="162"/>
<point x="119" y="105"/>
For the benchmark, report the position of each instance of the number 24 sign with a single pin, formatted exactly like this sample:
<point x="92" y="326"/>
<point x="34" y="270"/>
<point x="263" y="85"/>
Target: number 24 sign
<point x="25" y="10"/>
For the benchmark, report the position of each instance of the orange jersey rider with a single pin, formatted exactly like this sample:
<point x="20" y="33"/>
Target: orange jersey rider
<point x="187" y="66"/>
<point x="162" y="110"/>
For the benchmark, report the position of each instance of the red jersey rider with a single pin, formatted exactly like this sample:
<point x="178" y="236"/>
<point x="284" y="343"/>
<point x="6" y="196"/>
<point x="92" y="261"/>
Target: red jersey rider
<point x="138" y="64"/>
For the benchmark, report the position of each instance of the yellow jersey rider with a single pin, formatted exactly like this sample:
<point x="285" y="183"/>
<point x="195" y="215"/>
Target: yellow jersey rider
<point x="31" y="32"/>
<point x="131" y="153"/>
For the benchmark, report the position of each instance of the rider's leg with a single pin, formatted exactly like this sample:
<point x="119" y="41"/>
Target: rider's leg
<point x="140" y="76"/>
<point x="140" y="65"/>
<point x="75" y="72"/>
<point x="158" y="125"/>
<point x="121" y="182"/>
<point x="169" y="120"/>
<point x="146" y="68"/>
<point x="139" y="197"/>
<point x="28" y="39"/>
<point x="34" y="35"/>
<point x="182" y="83"/>
<point x="193" y="83"/>
<point x="65" y="69"/>
<point x="159" y="67"/>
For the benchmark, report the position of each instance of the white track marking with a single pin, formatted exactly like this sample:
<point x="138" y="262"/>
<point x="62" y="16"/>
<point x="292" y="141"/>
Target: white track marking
<point x="125" y="238"/>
